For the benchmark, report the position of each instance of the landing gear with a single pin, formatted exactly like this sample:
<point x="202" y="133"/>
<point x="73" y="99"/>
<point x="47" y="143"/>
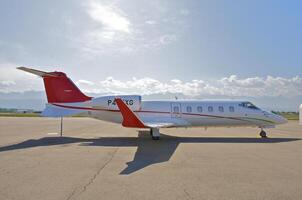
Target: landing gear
<point x="154" y="132"/>
<point x="263" y="134"/>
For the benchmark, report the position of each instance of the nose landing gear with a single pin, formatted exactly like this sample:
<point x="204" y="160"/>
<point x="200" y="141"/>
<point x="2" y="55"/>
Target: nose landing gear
<point x="263" y="134"/>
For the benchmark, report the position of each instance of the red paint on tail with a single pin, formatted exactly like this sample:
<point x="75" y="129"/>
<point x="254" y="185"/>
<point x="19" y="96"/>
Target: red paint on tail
<point x="60" y="89"/>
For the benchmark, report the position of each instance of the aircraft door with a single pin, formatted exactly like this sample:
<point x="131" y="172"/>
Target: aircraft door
<point x="175" y="110"/>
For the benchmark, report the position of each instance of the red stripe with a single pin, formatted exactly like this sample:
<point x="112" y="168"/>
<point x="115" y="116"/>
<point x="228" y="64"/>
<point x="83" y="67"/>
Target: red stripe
<point x="146" y="111"/>
<point x="83" y="108"/>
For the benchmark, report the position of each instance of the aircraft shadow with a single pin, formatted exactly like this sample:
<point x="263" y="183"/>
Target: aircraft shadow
<point x="148" y="152"/>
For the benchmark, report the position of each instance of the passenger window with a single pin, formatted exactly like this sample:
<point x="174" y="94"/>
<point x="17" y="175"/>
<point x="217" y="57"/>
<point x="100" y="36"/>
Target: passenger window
<point x="176" y="109"/>
<point x="199" y="109"/>
<point x="210" y="109"/>
<point x="231" y="108"/>
<point x="220" y="108"/>
<point x="189" y="109"/>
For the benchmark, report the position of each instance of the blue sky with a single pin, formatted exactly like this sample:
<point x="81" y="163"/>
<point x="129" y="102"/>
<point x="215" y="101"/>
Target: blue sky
<point x="198" y="48"/>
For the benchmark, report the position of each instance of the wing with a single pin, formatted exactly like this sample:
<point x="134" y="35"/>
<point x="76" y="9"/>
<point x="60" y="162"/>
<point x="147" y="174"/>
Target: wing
<point x="130" y="119"/>
<point x="171" y="124"/>
<point x="159" y="124"/>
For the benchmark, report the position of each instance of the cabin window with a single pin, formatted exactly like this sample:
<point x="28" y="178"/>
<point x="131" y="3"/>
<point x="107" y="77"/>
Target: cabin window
<point x="176" y="109"/>
<point x="210" y="109"/>
<point x="248" y="105"/>
<point x="199" y="109"/>
<point x="189" y="109"/>
<point x="220" y="108"/>
<point x="231" y="108"/>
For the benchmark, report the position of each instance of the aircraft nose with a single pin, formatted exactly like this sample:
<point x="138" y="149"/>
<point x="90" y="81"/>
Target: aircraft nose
<point x="284" y="120"/>
<point x="280" y="119"/>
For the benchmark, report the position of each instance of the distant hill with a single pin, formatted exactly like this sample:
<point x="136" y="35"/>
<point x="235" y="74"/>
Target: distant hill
<point x="26" y="100"/>
<point x="36" y="100"/>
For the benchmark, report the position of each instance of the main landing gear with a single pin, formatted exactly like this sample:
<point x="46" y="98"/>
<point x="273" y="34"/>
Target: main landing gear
<point x="154" y="132"/>
<point x="263" y="134"/>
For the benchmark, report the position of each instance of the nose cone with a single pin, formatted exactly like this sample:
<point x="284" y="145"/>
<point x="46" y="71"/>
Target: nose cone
<point x="279" y="119"/>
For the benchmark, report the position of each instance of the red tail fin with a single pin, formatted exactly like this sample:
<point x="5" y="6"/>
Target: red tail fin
<point x="59" y="88"/>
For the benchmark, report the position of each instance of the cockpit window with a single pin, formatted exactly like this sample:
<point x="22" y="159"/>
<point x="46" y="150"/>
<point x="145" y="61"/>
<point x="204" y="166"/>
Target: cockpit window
<point x="248" y="105"/>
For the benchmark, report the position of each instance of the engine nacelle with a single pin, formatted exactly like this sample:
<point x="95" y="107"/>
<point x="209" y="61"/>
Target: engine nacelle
<point x="108" y="102"/>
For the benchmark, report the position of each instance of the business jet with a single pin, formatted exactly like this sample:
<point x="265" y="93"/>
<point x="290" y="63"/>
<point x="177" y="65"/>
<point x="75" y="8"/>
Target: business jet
<point x="65" y="99"/>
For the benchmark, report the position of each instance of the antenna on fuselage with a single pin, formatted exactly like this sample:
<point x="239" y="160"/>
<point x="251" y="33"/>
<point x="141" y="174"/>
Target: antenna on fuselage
<point x="61" y="127"/>
<point x="300" y="114"/>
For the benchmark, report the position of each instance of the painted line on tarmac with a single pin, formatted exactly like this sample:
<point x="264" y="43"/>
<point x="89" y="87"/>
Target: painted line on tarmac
<point x="52" y="133"/>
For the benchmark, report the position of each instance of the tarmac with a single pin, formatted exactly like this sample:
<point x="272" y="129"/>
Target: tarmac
<point x="100" y="160"/>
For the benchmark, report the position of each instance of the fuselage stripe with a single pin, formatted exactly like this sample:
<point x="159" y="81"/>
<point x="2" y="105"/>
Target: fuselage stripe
<point x="246" y="119"/>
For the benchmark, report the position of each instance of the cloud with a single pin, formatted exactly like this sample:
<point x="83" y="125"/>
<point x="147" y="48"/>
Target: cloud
<point x="13" y="80"/>
<point x="231" y="86"/>
<point x="7" y="83"/>
<point x="184" y="12"/>
<point x="84" y="82"/>
<point x="167" y="39"/>
<point x="110" y="17"/>
<point x="114" y="29"/>
<point x="110" y="33"/>
<point x="259" y="86"/>
<point x="151" y="22"/>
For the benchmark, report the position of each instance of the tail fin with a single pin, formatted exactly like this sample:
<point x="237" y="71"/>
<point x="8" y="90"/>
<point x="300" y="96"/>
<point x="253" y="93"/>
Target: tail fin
<point x="59" y="88"/>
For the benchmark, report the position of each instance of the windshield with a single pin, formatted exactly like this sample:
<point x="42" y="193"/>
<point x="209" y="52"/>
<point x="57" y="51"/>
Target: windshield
<point x="248" y="105"/>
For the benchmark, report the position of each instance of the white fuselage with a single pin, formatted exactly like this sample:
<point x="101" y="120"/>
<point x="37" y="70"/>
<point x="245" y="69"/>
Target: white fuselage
<point x="209" y="113"/>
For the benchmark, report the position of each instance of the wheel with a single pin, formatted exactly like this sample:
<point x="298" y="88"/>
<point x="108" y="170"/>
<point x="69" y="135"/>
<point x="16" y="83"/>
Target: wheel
<point x="263" y="134"/>
<point x="155" y="137"/>
<point x="154" y="132"/>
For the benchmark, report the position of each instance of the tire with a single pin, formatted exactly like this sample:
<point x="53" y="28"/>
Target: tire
<point x="263" y="134"/>
<point x="155" y="137"/>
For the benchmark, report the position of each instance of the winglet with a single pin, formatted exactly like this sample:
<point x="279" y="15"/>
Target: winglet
<point x="129" y="117"/>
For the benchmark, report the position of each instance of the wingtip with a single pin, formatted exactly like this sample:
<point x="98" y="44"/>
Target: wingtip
<point x="21" y="67"/>
<point x="129" y="117"/>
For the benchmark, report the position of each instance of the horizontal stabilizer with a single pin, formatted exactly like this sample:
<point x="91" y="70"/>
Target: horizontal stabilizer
<point x="36" y="72"/>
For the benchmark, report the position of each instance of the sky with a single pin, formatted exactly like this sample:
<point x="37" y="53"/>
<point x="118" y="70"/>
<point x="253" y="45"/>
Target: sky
<point x="195" y="49"/>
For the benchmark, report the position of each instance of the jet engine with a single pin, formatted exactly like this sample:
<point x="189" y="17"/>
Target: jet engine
<point x="108" y="102"/>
